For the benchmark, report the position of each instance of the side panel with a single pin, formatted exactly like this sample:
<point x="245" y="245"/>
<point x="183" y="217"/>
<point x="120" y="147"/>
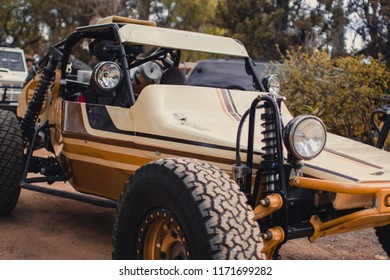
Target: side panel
<point x="99" y="155"/>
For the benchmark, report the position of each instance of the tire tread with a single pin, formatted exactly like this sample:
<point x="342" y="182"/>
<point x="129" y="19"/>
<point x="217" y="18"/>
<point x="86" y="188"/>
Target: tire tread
<point x="11" y="161"/>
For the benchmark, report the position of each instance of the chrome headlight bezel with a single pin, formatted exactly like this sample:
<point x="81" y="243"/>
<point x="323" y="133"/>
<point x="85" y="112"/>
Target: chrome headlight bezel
<point x="298" y="143"/>
<point x="107" y="76"/>
<point x="272" y="84"/>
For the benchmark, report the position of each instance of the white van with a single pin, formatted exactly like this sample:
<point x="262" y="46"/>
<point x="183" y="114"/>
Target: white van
<point x="13" y="72"/>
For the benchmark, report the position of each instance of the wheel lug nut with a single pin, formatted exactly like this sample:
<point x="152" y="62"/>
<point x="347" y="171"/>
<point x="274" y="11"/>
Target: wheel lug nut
<point x="163" y="256"/>
<point x="267" y="235"/>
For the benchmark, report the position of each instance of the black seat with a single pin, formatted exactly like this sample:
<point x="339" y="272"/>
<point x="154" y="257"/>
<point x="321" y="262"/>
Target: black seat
<point x="173" y="76"/>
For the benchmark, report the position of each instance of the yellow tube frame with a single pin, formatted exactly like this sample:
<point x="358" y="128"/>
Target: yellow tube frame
<point x="275" y="203"/>
<point x="379" y="215"/>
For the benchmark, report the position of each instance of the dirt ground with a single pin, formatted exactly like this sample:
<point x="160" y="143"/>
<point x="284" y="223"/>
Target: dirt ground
<point x="49" y="228"/>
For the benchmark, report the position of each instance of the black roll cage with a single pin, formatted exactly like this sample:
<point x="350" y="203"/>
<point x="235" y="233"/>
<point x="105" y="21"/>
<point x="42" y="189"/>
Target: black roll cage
<point x="383" y="114"/>
<point x="110" y="31"/>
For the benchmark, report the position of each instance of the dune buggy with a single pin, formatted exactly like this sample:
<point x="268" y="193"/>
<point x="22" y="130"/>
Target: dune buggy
<point x="195" y="172"/>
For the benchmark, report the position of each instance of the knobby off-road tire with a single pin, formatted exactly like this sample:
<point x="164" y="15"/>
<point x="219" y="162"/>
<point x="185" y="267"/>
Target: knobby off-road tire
<point x="383" y="234"/>
<point x="11" y="161"/>
<point x="184" y="209"/>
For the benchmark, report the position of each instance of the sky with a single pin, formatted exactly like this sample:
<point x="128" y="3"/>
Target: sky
<point x="352" y="42"/>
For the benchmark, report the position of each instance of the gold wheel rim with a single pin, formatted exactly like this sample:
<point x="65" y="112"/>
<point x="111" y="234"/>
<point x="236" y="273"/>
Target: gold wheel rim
<point x="161" y="237"/>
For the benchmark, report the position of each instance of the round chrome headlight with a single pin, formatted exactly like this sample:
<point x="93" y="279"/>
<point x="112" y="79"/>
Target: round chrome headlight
<point x="271" y="84"/>
<point x="107" y="75"/>
<point x="305" y="137"/>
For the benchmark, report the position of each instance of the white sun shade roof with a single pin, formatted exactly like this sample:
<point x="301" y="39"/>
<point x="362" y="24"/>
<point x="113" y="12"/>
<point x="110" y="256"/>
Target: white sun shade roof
<point x="182" y="40"/>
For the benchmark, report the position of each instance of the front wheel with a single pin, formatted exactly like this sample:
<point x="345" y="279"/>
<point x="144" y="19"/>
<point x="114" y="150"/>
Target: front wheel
<point x="11" y="161"/>
<point x="383" y="234"/>
<point x="184" y="209"/>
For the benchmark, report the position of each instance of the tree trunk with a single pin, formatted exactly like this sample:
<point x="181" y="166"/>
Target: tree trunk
<point x="143" y="8"/>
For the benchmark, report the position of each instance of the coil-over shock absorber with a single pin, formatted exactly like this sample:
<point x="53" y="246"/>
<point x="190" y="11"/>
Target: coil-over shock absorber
<point x="272" y="163"/>
<point x="35" y="105"/>
<point x="269" y="165"/>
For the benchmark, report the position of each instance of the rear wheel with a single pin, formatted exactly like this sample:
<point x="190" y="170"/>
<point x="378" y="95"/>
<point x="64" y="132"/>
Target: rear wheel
<point x="11" y="161"/>
<point x="184" y="209"/>
<point x="383" y="234"/>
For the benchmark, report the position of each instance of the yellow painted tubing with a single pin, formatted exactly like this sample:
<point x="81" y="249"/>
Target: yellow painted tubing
<point x="339" y="187"/>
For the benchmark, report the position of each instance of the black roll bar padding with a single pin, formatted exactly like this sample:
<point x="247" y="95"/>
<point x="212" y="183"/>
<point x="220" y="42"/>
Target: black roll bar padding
<point x="383" y="133"/>
<point x="249" y="64"/>
<point x="68" y="44"/>
<point x="125" y="65"/>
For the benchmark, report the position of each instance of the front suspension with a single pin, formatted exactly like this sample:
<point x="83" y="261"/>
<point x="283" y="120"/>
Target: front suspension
<point x="34" y="108"/>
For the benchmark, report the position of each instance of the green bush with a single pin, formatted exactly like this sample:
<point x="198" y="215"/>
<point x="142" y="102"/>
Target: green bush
<point x="342" y="91"/>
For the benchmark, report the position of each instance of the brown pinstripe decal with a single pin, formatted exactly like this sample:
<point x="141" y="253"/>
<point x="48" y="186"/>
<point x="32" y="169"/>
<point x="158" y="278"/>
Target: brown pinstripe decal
<point x="352" y="158"/>
<point x="227" y="104"/>
<point x="228" y="101"/>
